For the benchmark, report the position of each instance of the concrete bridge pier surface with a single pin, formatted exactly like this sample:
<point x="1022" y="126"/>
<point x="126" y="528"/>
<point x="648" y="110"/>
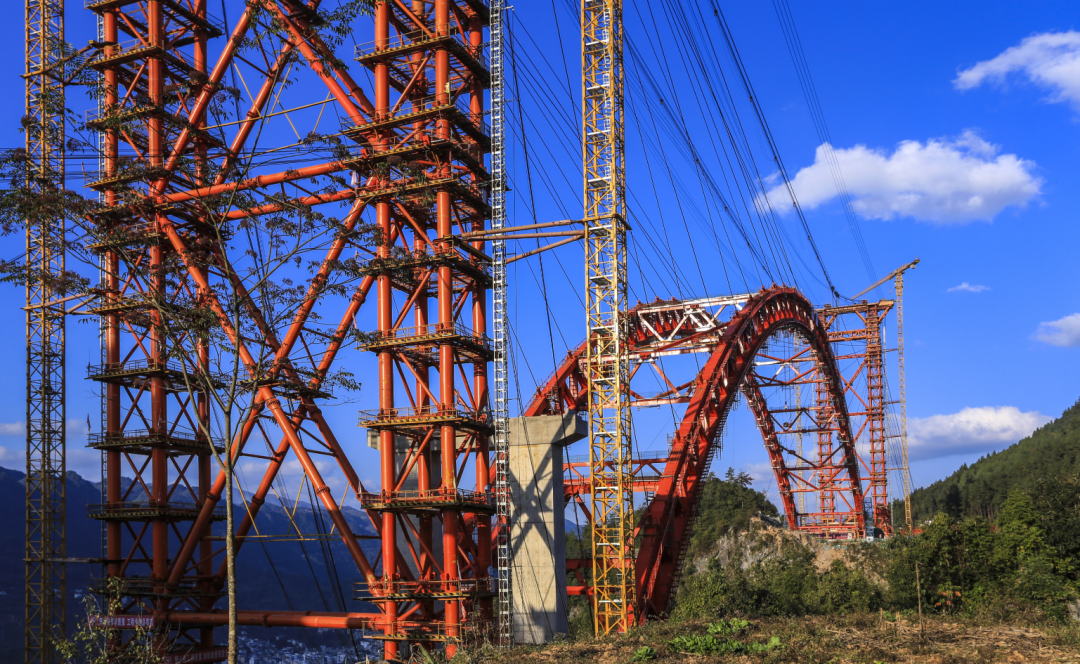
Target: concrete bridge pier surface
<point x="538" y="523"/>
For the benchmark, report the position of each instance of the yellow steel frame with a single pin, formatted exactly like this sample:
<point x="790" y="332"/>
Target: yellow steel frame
<point x="612" y="498"/>
<point x="45" y="414"/>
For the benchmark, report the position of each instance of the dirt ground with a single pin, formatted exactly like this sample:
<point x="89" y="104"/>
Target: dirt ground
<point x="865" y="639"/>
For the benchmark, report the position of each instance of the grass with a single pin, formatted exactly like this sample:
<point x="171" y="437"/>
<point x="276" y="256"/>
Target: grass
<point x="851" y="639"/>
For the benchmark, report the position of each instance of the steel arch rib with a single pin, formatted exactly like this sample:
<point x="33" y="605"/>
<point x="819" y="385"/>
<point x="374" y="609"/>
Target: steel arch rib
<point x="665" y="526"/>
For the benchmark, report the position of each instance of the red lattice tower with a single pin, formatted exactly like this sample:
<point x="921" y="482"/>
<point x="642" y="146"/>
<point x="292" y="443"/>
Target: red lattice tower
<point x="183" y="182"/>
<point x="856" y="332"/>
<point x="154" y="416"/>
<point x="430" y="74"/>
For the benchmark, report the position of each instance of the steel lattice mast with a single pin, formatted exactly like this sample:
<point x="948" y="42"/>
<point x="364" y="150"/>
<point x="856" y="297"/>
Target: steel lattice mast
<point x="905" y="472"/>
<point x="45" y="410"/>
<point x="607" y="361"/>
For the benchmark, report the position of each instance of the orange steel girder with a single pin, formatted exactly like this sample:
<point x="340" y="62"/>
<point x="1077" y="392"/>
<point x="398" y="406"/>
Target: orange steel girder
<point x="419" y="164"/>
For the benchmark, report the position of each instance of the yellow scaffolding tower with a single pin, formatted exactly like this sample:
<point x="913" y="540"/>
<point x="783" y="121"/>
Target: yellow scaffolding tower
<point x="45" y="416"/>
<point x="612" y="497"/>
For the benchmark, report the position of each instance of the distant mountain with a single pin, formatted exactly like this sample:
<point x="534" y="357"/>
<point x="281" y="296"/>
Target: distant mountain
<point x="83" y="541"/>
<point x="981" y="488"/>
<point x="271" y="574"/>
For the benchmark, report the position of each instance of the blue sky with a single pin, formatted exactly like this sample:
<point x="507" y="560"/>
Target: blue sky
<point x="955" y="148"/>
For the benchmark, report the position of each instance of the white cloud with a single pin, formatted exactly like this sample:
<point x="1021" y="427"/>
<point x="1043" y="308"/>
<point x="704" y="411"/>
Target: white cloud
<point x="965" y="287"/>
<point x="972" y="430"/>
<point x="1062" y="332"/>
<point x="77" y="428"/>
<point x="942" y="181"/>
<point x="1049" y="59"/>
<point x="12" y="429"/>
<point x="763" y="476"/>
<point x="12" y="458"/>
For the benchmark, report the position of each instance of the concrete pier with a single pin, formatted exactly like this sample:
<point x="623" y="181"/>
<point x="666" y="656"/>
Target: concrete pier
<point x="538" y="528"/>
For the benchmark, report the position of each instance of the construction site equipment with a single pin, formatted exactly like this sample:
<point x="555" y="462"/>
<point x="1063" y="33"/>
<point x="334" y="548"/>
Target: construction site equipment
<point x="897" y="276"/>
<point x="606" y="361"/>
<point x="46" y="508"/>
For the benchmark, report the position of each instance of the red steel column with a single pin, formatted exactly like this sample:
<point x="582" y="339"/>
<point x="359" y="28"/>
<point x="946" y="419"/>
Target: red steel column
<point x="446" y="351"/>
<point x="385" y="322"/>
<point x="112" y="422"/>
<point x="425" y="525"/>
<point x="158" y="407"/>
<point x="205" y="565"/>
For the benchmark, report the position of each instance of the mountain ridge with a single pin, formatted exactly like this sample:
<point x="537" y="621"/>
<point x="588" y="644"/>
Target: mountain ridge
<point x="980" y="488"/>
<point x="273" y="574"/>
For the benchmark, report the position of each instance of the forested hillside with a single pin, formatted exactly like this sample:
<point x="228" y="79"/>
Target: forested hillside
<point x="727" y="505"/>
<point x="981" y="488"/>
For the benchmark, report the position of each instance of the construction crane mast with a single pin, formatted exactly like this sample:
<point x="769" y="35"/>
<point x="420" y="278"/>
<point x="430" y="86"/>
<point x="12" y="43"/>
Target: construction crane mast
<point x="905" y="473"/>
<point x="607" y="358"/>
<point x="45" y="461"/>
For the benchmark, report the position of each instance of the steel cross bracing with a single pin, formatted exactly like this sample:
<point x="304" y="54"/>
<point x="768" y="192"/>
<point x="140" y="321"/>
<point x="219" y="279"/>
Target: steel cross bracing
<point x="179" y="180"/>
<point x="45" y="372"/>
<point x="606" y="359"/>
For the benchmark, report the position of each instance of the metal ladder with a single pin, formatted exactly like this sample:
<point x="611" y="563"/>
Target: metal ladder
<point x="501" y="405"/>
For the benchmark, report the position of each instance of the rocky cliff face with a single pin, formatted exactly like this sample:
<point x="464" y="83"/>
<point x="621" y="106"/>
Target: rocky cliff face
<point x="763" y="542"/>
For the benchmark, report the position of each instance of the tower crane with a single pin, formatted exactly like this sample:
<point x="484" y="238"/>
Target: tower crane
<point x="898" y="276"/>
